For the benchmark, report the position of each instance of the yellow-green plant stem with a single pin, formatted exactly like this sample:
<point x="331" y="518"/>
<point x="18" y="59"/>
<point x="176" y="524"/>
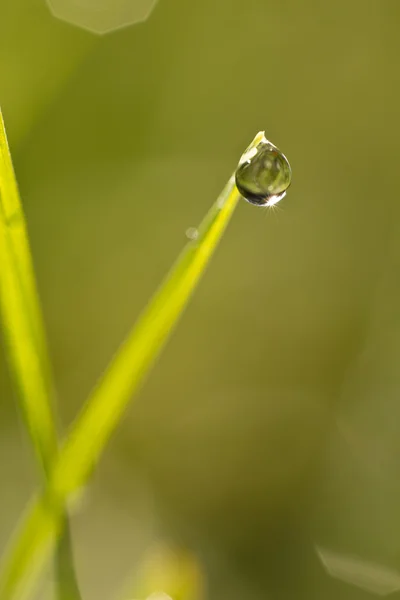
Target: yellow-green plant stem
<point x="26" y="347"/>
<point x="83" y="446"/>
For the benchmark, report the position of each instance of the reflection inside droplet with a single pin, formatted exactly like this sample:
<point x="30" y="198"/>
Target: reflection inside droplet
<point x="263" y="174"/>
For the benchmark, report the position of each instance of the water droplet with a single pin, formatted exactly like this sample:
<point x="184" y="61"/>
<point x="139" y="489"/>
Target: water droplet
<point x="263" y="174"/>
<point x="192" y="233"/>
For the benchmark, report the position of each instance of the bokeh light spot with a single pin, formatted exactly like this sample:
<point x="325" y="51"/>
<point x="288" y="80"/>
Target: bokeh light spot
<point x="102" y="16"/>
<point x="371" y="577"/>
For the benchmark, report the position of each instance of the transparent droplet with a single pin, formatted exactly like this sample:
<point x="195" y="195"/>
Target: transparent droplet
<point x="263" y="174"/>
<point x="192" y="233"/>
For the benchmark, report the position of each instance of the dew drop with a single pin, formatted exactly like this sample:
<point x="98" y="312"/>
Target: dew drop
<point x="192" y="233"/>
<point x="263" y="174"/>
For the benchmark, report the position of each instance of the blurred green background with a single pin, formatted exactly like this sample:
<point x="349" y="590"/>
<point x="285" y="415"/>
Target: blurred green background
<point x="271" y="423"/>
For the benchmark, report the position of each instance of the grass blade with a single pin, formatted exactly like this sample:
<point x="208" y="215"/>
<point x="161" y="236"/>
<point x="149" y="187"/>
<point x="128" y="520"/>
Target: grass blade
<point x="124" y="375"/>
<point x="24" y="332"/>
<point x="22" y="322"/>
<point x="103" y="410"/>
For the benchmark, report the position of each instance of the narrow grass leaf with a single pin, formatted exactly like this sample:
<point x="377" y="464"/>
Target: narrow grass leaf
<point x="26" y="347"/>
<point x="22" y="322"/>
<point x="104" y="408"/>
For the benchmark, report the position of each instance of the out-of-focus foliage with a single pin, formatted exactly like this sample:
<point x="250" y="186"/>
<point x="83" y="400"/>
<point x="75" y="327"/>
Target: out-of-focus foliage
<point x="271" y="424"/>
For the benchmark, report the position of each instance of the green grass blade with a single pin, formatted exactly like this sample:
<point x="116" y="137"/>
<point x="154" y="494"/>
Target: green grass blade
<point x="104" y="408"/>
<point x="22" y="322"/>
<point x="26" y="347"/>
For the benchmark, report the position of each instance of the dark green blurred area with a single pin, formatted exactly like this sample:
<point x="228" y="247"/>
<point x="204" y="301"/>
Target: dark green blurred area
<point x="271" y="422"/>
